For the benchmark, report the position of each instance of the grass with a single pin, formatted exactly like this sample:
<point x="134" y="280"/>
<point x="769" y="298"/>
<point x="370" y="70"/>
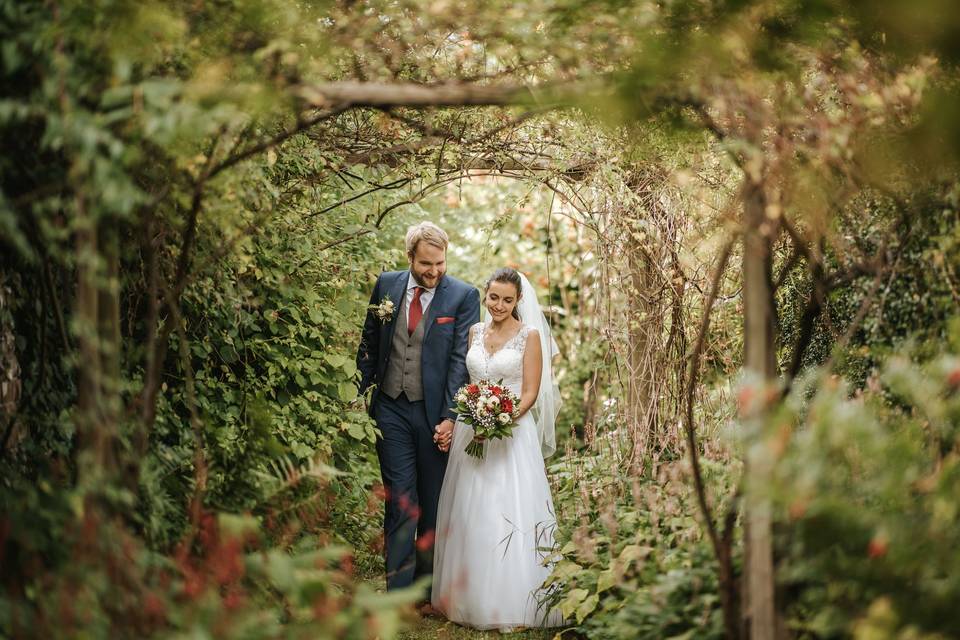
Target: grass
<point x="442" y="629"/>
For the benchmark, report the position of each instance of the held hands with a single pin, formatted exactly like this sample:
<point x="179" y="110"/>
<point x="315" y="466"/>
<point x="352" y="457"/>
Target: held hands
<point x="443" y="435"/>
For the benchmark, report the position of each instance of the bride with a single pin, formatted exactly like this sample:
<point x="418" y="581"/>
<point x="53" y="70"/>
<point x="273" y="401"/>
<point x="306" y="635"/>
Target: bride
<point x="495" y="521"/>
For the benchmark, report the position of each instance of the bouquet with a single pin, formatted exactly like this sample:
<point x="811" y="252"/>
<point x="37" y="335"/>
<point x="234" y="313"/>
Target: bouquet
<point x="491" y="409"/>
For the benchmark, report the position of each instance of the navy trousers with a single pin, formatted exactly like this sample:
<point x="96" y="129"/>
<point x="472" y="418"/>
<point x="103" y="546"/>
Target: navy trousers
<point x="412" y="469"/>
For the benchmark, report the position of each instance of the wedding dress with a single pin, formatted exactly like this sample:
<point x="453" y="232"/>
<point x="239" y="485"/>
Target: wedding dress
<point x="496" y="520"/>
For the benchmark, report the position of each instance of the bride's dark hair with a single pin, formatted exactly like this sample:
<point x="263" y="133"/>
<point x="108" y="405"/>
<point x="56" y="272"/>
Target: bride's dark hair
<point x="508" y="275"/>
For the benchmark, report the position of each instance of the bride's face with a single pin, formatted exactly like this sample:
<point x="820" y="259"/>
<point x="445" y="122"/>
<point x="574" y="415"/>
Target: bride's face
<point x="501" y="300"/>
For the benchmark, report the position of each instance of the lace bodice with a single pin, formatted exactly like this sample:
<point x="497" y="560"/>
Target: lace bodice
<point x="506" y="363"/>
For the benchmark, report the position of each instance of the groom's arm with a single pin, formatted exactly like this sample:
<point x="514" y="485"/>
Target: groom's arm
<point x="468" y="314"/>
<point x="369" y="350"/>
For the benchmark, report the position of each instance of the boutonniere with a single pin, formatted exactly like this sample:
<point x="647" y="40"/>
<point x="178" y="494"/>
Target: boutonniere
<point x="384" y="310"/>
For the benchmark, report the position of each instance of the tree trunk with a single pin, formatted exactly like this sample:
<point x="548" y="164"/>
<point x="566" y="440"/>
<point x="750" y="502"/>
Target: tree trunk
<point x="641" y="411"/>
<point x="759" y="361"/>
<point x="110" y="345"/>
<point x="89" y="423"/>
<point x="10" y="375"/>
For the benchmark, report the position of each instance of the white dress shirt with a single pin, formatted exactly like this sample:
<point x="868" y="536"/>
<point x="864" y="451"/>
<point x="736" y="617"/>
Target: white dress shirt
<point x="425" y="297"/>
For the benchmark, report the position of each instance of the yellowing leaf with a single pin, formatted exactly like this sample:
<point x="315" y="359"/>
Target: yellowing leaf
<point x="570" y="604"/>
<point x="634" y="552"/>
<point x="606" y="580"/>
<point x="587" y="607"/>
<point x="566" y="569"/>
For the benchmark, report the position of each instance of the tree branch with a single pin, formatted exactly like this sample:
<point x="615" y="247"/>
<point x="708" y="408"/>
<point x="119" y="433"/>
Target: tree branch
<point x="720" y="549"/>
<point x="382" y="95"/>
<point x="260" y="147"/>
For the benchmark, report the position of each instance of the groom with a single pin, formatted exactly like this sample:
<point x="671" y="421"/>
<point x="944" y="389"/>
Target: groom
<point x="413" y="352"/>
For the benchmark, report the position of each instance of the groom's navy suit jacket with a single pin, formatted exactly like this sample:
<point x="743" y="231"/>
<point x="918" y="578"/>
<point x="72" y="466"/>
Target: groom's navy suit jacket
<point x="443" y="356"/>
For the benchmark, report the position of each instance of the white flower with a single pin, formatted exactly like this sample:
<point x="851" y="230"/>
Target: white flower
<point x="504" y="418"/>
<point x="384" y="310"/>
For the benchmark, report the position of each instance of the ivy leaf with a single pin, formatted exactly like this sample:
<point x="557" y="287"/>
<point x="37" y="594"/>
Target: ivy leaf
<point x="350" y="368"/>
<point x="566" y="569"/>
<point x="301" y="450"/>
<point x="335" y="360"/>
<point x="568" y="548"/>
<point x="587" y="607"/>
<point x="347" y="391"/>
<point x="605" y="580"/>
<point x="281" y="571"/>
<point x="633" y="552"/>
<point x="345" y="306"/>
<point x="357" y="431"/>
<point x="572" y="602"/>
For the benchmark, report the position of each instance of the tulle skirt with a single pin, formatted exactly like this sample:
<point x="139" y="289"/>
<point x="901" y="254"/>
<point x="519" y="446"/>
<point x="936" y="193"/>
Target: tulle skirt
<point x="495" y="525"/>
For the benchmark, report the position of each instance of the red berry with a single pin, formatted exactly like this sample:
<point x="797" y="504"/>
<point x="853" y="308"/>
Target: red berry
<point x="877" y="548"/>
<point x="953" y="378"/>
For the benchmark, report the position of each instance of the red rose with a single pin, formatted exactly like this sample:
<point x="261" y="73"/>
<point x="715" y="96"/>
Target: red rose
<point x="507" y="405"/>
<point x="496" y="391"/>
<point x="473" y="389"/>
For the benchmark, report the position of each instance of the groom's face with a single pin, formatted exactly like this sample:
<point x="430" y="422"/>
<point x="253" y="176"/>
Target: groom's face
<point x="428" y="263"/>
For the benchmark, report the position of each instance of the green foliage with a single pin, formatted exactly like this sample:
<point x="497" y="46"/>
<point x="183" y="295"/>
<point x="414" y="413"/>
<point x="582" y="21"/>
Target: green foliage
<point x="914" y="301"/>
<point x="114" y="110"/>
<point x="919" y="299"/>
<point x="227" y="581"/>
<point x="869" y="490"/>
<point x="632" y="560"/>
<point x="151" y="184"/>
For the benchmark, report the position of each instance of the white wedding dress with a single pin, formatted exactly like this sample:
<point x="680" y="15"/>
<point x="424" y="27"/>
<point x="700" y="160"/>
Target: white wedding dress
<point x="496" y="520"/>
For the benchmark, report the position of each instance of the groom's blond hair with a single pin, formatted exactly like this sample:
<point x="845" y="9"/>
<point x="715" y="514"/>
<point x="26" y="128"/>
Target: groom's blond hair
<point x="425" y="232"/>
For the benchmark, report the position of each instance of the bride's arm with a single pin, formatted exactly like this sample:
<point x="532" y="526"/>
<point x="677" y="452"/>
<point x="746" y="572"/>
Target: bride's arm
<point x="444" y="438"/>
<point x="532" y="369"/>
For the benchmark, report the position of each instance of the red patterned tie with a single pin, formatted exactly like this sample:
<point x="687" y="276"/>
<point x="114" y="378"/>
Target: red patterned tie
<point x="416" y="311"/>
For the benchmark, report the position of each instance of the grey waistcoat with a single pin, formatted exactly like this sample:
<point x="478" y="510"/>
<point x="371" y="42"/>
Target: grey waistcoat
<point x="403" y="365"/>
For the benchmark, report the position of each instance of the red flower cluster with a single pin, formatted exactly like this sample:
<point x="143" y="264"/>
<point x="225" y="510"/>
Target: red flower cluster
<point x="491" y="409"/>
